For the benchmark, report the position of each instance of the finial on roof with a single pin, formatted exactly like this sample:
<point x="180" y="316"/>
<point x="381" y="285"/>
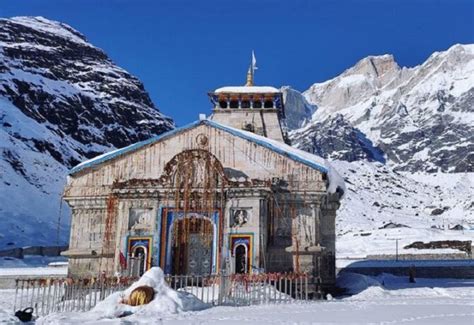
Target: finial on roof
<point x="249" y="82"/>
<point x="251" y="71"/>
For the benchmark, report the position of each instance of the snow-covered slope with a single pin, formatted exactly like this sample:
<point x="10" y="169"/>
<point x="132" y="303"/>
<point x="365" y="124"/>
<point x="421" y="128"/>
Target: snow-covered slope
<point x="429" y="205"/>
<point x="335" y="138"/>
<point x="421" y="117"/>
<point x="301" y="110"/>
<point x="62" y="100"/>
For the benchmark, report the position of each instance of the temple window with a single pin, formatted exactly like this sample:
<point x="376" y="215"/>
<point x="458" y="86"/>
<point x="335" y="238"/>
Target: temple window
<point x="268" y="104"/>
<point x="234" y="104"/>
<point x="257" y="104"/>
<point x="245" y="104"/>
<point x="223" y="104"/>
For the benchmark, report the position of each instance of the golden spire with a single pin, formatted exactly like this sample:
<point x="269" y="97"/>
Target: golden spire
<point x="249" y="82"/>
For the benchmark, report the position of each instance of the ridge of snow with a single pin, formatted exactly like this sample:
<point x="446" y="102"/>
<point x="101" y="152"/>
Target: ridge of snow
<point x="52" y="27"/>
<point x="166" y="301"/>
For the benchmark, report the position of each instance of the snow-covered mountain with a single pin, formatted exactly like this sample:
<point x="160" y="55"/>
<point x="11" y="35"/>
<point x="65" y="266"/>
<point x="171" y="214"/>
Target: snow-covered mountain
<point x="403" y="138"/>
<point x="62" y="100"/>
<point x="422" y="118"/>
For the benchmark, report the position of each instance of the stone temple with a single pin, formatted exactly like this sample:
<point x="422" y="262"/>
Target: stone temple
<point x="222" y="195"/>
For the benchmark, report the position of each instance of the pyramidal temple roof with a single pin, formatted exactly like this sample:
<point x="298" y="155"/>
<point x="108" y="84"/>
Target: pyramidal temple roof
<point x="276" y="146"/>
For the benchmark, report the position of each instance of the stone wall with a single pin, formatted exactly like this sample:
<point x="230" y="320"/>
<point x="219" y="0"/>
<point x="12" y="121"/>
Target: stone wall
<point x="455" y="272"/>
<point x="427" y="268"/>
<point x="233" y="152"/>
<point x="20" y="252"/>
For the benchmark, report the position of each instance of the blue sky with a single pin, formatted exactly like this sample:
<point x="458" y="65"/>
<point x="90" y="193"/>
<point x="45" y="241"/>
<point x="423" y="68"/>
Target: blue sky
<point x="183" y="49"/>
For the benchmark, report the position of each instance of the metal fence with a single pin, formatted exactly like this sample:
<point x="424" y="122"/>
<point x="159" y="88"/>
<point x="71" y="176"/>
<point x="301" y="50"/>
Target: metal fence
<point x="61" y="295"/>
<point x="244" y="289"/>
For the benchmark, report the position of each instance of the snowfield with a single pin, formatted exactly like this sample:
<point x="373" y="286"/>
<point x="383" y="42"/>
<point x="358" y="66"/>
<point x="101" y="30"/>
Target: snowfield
<point x="377" y="196"/>
<point x="385" y="299"/>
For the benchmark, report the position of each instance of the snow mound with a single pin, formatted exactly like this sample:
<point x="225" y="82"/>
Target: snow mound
<point x="355" y="283"/>
<point x="388" y="286"/>
<point x="166" y="302"/>
<point x="7" y="318"/>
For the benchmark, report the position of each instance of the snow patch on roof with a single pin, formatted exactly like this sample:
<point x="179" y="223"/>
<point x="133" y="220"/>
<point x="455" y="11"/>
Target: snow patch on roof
<point x="122" y="151"/>
<point x="247" y="89"/>
<point x="335" y="180"/>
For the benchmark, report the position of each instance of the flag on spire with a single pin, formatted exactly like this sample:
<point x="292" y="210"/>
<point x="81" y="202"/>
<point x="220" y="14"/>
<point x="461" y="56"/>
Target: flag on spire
<point x="251" y="71"/>
<point x="254" y="61"/>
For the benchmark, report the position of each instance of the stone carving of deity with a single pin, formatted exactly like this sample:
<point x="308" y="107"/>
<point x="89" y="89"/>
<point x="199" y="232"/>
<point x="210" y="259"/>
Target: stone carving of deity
<point x="240" y="218"/>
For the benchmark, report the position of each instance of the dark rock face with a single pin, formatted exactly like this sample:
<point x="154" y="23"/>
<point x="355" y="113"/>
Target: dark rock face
<point x="335" y="138"/>
<point x="298" y="110"/>
<point x="465" y="246"/>
<point x="437" y="212"/>
<point x="62" y="101"/>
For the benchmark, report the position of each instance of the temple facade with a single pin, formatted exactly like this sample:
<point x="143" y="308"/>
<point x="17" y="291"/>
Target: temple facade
<point x="224" y="194"/>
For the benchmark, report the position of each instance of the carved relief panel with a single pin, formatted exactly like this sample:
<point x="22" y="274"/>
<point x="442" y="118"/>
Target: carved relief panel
<point x="240" y="216"/>
<point x="140" y="220"/>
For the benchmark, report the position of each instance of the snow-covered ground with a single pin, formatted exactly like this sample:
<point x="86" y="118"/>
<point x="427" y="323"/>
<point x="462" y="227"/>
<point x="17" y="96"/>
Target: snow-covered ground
<point x="384" y="299"/>
<point x="377" y="196"/>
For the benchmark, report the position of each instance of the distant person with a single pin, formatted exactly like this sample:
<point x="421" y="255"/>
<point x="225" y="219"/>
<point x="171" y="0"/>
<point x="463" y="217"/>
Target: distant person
<point x="412" y="274"/>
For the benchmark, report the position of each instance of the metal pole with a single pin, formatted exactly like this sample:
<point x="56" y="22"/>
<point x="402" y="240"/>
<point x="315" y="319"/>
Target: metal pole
<point x="306" y="287"/>
<point x="396" y="254"/>
<point x="16" y="295"/>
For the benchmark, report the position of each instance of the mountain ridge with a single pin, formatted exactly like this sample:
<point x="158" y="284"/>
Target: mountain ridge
<point x="420" y="117"/>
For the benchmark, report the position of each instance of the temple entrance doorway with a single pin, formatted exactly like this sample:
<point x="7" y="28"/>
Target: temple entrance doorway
<point x="192" y="246"/>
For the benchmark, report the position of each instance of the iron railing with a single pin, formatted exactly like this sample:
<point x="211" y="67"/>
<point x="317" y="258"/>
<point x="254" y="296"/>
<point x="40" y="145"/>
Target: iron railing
<point x="63" y="295"/>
